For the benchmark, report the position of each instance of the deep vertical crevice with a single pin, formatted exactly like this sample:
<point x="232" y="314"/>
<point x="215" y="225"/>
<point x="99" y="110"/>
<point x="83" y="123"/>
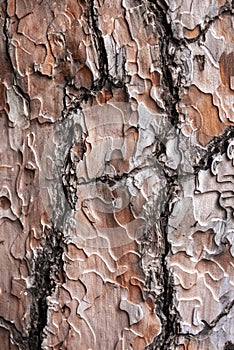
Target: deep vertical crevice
<point x="171" y="87"/>
<point x="166" y="301"/>
<point x="46" y="274"/>
<point x="7" y="40"/>
<point x="100" y="46"/>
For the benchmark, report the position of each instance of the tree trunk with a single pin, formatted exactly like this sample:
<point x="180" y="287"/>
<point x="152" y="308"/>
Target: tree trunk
<point x="117" y="175"/>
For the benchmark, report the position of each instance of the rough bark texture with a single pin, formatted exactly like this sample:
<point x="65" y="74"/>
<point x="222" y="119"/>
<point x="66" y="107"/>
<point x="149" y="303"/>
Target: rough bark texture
<point x="116" y="173"/>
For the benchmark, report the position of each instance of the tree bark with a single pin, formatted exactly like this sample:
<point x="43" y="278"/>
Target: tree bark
<point x="116" y="202"/>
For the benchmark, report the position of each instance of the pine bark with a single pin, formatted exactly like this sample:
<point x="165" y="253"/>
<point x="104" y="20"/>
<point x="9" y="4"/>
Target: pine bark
<point x="116" y="172"/>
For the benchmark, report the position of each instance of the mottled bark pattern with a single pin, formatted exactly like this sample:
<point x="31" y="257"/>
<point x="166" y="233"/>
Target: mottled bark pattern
<point x="116" y="197"/>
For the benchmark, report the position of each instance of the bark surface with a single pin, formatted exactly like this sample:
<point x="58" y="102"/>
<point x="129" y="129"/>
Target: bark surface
<point x="116" y="173"/>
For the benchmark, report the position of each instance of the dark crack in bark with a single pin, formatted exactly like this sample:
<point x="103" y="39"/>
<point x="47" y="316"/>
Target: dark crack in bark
<point x="219" y="144"/>
<point x="15" y="335"/>
<point x="7" y="40"/>
<point x="166" y="301"/>
<point x="105" y="79"/>
<point x="229" y="346"/>
<point x="171" y="87"/>
<point x="226" y="9"/>
<point x="209" y="326"/>
<point x="100" y="46"/>
<point x="8" y="45"/>
<point x="171" y="318"/>
<point x="47" y="273"/>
